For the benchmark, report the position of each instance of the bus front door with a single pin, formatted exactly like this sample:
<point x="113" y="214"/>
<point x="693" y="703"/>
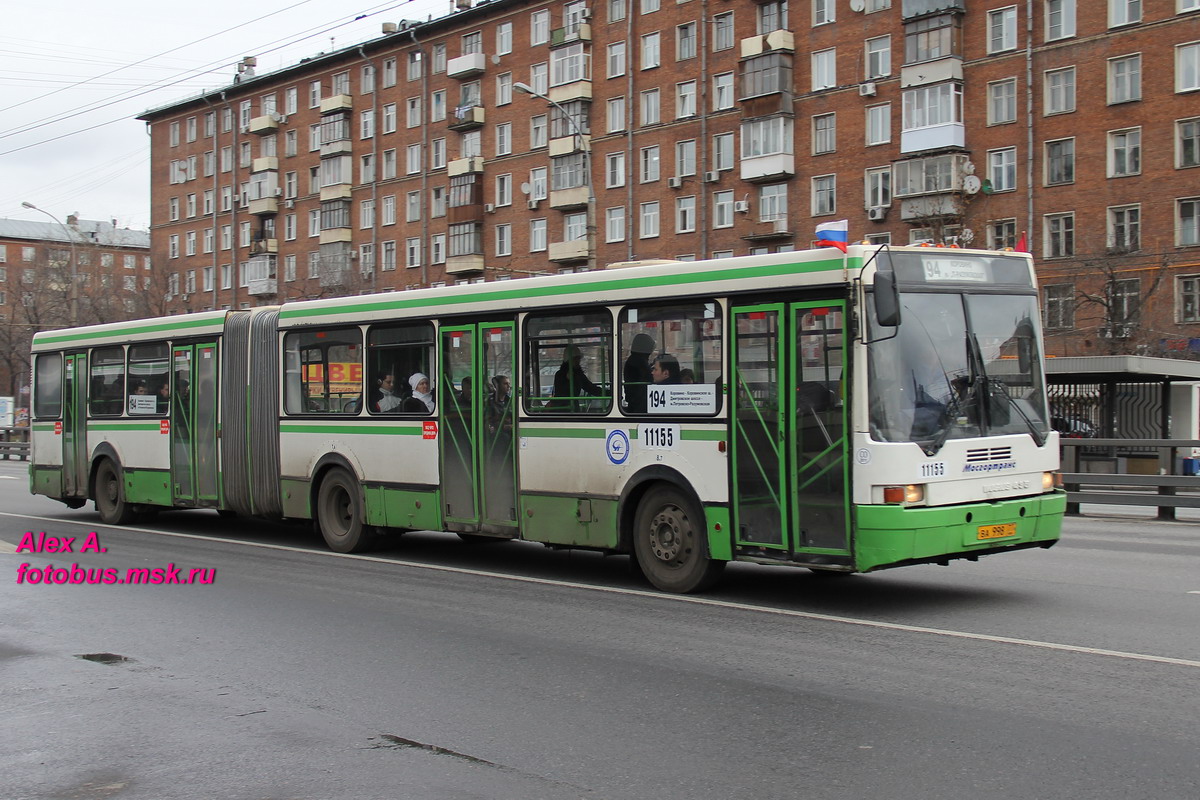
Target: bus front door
<point x="789" y="438"/>
<point x="194" y="467"/>
<point x="74" y="426"/>
<point x="477" y="434"/>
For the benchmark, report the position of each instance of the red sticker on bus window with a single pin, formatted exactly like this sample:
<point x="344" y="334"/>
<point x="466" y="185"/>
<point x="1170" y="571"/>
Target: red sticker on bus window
<point x="58" y="428"/>
<point x="819" y="312"/>
<point x="429" y="429"/>
<point x="164" y="426"/>
<point x="758" y="315"/>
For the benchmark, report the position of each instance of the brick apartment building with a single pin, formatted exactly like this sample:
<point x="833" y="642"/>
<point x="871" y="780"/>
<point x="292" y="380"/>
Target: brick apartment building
<point x="112" y="268"/>
<point x="705" y="128"/>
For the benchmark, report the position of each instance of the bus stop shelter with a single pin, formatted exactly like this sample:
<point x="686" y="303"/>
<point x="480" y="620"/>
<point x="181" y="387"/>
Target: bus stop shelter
<point x="1124" y="397"/>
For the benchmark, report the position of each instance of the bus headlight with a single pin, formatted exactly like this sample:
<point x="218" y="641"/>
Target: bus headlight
<point x="1051" y="481"/>
<point x="912" y="493"/>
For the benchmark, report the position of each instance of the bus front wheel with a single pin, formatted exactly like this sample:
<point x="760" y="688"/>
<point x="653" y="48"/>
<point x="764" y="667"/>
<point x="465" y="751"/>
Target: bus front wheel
<point x="340" y="513"/>
<point x="110" y="495"/>
<point x="669" y="542"/>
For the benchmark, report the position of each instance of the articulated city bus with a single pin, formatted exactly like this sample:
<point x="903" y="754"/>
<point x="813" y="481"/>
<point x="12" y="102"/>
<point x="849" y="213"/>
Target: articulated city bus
<point x="840" y="412"/>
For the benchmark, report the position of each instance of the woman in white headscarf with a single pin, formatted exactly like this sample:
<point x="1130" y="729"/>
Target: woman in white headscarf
<point x="421" y="390"/>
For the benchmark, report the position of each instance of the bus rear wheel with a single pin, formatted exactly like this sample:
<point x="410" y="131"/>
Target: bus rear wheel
<point x="669" y="543"/>
<point x="340" y="514"/>
<point x="110" y="495"/>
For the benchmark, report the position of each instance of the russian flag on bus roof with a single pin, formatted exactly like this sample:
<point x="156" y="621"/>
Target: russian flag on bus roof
<point x="833" y="234"/>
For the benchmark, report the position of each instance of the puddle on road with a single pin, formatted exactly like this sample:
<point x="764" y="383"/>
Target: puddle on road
<point x="104" y="658"/>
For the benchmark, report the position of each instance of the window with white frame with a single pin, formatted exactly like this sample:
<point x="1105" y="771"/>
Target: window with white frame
<point x="539" y="183"/>
<point x="504" y="239"/>
<point x="614" y="224"/>
<point x="685" y="157"/>
<point x="651" y="50"/>
<point x="1002" y="169"/>
<point x="824" y="195"/>
<point x="366" y="214"/>
<point x="341" y="83"/>
<point x="1060" y="162"/>
<point x="1059" y="238"/>
<point x="1124" y="300"/>
<point x="472" y="43"/>
<point x="568" y="64"/>
<point x="879" y="57"/>
<point x="932" y="174"/>
<point x="1060" y="19"/>
<point x="437" y="153"/>
<point x="685" y="41"/>
<point x="412" y="159"/>
<point x="388" y="170"/>
<point x="412" y="112"/>
<point x="648" y="164"/>
<point x="1187" y="67"/>
<point x="504" y="138"/>
<point x="616" y="59"/>
<point x="878" y="187"/>
<point x="685" y="214"/>
<point x="388" y="262"/>
<point x="1002" y="101"/>
<point x="437" y="105"/>
<point x="388" y="215"/>
<point x="437" y="248"/>
<point x="1125" y="79"/>
<point x="414" y="65"/>
<point x="539" y="131"/>
<point x="1124" y="228"/>
<point x="771" y="16"/>
<point x="722" y="31"/>
<point x="504" y="38"/>
<point x="614" y="170"/>
<point x="615" y="109"/>
<point x="504" y="189"/>
<point x="438" y="201"/>
<point x="367" y="124"/>
<point x="772" y="202"/>
<point x="1124" y="12"/>
<point x="470" y="144"/>
<point x="389" y="73"/>
<point x="1187" y="298"/>
<point x="412" y="207"/>
<point x="1060" y="90"/>
<point x="824" y="133"/>
<point x="539" y="77"/>
<point x="823" y="12"/>
<point x="1187" y="223"/>
<point x="650" y="107"/>
<point x="1124" y="152"/>
<point x="574" y="227"/>
<point x="412" y="252"/>
<point x="879" y="124"/>
<point x="437" y="59"/>
<point x="539" y="27"/>
<point x="648" y="220"/>
<point x="723" y="91"/>
<point x="1187" y="143"/>
<point x="617" y="10"/>
<point x="926" y="106"/>
<point x="1002" y="29"/>
<point x="767" y="137"/>
<point x="722" y="209"/>
<point x="1059" y="306"/>
<point x="650" y="6"/>
<point x="685" y="99"/>
<point x="1189" y="5"/>
<point x="824" y="69"/>
<point x="722" y="151"/>
<point x="537" y="236"/>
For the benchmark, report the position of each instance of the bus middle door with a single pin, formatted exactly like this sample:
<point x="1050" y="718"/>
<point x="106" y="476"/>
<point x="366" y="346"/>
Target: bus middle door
<point x="74" y="425"/>
<point x="194" y="468"/>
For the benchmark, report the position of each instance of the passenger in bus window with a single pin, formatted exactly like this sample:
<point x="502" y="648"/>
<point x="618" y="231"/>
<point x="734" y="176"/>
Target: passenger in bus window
<point x="164" y="397"/>
<point x="571" y="384"/>
<point x="421" y="390"/>
<point x="636" y="373"/>
<point x="665" y="369"/>
<point x="499" y="403"/>
<point x="687" y="376"/>
<point x="139" y="388"/>
<point x="388" y="400"/>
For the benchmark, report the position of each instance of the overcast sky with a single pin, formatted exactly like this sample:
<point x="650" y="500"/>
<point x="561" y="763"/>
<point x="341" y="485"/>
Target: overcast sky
<point x="74" y="74"/>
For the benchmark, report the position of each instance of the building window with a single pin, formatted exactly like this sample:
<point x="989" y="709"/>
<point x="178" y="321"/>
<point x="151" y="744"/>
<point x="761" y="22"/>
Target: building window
<point x="1124" y="300"/>
<point x="614" y="224"/>
<point x="1124" y="12"/>
<point x="1002" y="101"/>
<point x="504" y="138"/>
<point x="685" y="100"/>
<point x="932" y="38"/>
<point x="616" y="59"/>
<point x="824" y="195"/>
<point x="824" y="69"/>
<point x="685" y="41"/>
<point x="772" y="202"/>
<point x="616" y="115"/>
<point x="1060" y="235"/>
<point x="539" y="27"/>
<point x="685" y="214"/>
<point x="879" y="57"/>
<point x="879" y="124"/>
<point x="568" y="65"/>
<point x="722" y="151"/>
<point x="927" y="106"/>
<point x="685" y="157"/>
<point x="537" y="236"/>
<point x="1060" y="162"/>
<point x="504" y="240"/>
<point x="767" y="74"/>
<point x="650" y="107"/>
<point x="649" y="169"/>
<point x="723" y="209"/>
<point x="617" y="9"/>
<point x="614" y="170"/>
<point x="1124" y="153"/>
<point x="651" y="50"/>
<point x="1125" y="79"/>
<point x="504" y="38"/>
<point x="1002" y="29"/>
<point x="722" y="31"/>
<point x="1187" y="143"/>
<point x="1188" y="223"/>
<point x="648" y="220"/>
<point x="1002" y="169"/>
<point x="824" y="133"/>
<point x="1060" y="19"/>
<point x="1124" y="228"/>
<point x="1060" y="306"/>
<point x="772" y="16"/>
<point x="878" y="187"/>
<point x="823" y="12"/>
<point x="1187" y="293"/>
<point x="1060" y="91"/>
<point x="1002" y="233"/>
<point x="1187" y="67"/>
<point x="723" y="91"/>
<point x="767" y="137"/>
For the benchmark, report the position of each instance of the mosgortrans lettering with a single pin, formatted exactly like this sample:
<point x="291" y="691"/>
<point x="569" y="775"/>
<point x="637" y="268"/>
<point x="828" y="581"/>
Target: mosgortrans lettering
<point x="992" y="467"/>
<point x="172" y="574"/>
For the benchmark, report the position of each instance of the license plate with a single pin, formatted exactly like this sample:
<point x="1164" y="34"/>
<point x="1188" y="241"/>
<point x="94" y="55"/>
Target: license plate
<point x="996" y="531"/>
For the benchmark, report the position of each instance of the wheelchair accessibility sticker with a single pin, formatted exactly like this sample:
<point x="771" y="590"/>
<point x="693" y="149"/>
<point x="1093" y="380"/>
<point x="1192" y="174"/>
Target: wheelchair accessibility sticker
<point x="617" y="446"/>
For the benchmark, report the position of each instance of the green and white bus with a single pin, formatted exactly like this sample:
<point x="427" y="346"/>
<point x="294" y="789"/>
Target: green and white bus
<point x="844" y="413"/>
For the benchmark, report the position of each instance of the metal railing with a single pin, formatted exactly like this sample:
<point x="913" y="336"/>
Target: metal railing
<point x="1092" y="473"/>
<point x="14" y="443"/>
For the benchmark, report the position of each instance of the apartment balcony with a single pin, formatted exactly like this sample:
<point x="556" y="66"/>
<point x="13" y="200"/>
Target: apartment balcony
<point x="949" y="68"/>
<point x="264" y="206"/>
<point x="568" y="92"/>
<point x="929" y="206"/>
<point x="919" y="8"/>
<point x="264" y="247"/>
<point x="336" y="236"/>
<point x="264" y="164"/>
<point x="462" y="166"/>
<point x="581" y="32"/>
<point x="261" y="278"/>
<point x="338" y="191"/>
<point x="338" y="147"/>
<point x="464" y="265"/>
<point x="334" y="276"/>
<point x="467" y="118"/>
<point x="934" y="137"/>
<point x="267" y="123"/>
<point x="775" y="41"/>
<point x="770" y="230"/>
<point x="574" y="250"/>
<point x="565" y="145"/>
<point x="761" y="169"/>
<point x="339" y="102"/>
<point x="565" y="199"/>
<point x="466" y="66"/>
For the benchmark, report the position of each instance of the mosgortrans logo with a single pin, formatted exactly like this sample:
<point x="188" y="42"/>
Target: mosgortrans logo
<point x="995" y="466"/>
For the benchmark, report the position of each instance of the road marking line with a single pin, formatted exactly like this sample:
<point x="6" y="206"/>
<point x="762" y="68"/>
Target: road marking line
<point x="7" y="547"/>
<point x="650" y="595"/>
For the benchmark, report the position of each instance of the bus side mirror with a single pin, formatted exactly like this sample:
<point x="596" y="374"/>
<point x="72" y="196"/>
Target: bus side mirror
<point x="887" y="299"/>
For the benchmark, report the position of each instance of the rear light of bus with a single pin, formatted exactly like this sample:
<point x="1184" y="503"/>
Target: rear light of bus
<point x="912" y="493"/>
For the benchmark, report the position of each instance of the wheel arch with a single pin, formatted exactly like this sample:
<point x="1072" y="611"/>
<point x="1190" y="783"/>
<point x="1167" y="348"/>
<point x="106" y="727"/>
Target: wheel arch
<point x="324" y="464"/>
<point x="103" y="451"/>
<point x="636" y="488"/>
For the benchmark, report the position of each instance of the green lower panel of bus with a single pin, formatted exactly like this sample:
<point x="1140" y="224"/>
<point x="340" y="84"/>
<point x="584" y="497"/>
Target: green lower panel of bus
<point x="403" y="508"/>
<point x="720" y="539"/>
<point x="590" y="522"/>
<point x="46" y="480"/>
<point x="890" y="535"/>
<point x="152" y="487"/>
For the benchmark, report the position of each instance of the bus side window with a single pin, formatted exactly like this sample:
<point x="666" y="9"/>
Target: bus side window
<point x="396" y="353"/>
<point x="324" y="371"/>
<point x="47" y="392"/>
<point x="568" y="363"/>
<point x="106" y="390"/>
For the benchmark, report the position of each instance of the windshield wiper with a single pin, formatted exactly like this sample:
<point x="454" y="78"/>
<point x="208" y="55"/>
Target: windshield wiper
<point x="986" y="393"/>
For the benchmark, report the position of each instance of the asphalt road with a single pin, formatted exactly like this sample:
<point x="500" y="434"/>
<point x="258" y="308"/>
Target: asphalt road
<point x="439" y="669"/>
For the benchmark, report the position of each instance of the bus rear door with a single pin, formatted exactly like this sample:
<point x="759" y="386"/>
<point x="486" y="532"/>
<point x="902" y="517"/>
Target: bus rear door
<point x="194" y="467"/>
<point x="789" y="419"/>
<point x="74" y="425"/>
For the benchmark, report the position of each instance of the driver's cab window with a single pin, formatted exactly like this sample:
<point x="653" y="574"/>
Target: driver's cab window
<point x="400" y="369"/>
<point x="568" y="362"/>
<point x="323" y="371"/>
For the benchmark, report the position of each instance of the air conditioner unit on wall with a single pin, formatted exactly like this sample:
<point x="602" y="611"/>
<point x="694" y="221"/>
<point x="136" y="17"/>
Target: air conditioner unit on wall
<point x="533" y="204"/>
<point x="674" y="183"/>
<point x="712" y="176"/>
<point x="489" y="208"/>
<point x="867" y="89"/>
<point x="742" y="206"/>
<point x="877" y="213"/>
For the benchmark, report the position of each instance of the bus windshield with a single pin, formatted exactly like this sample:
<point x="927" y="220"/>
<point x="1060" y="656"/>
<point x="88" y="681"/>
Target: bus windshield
<point x="959" y="366"/>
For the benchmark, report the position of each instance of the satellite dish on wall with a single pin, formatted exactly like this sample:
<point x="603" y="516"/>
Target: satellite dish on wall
<point x="857" y="5"/>
<point x="526" y="187"/>
<point x="971" y="184"/>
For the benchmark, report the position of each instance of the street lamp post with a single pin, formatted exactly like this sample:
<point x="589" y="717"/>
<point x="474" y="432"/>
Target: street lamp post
<point x="586" y="147"/>
<point x="73" y="289"/>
